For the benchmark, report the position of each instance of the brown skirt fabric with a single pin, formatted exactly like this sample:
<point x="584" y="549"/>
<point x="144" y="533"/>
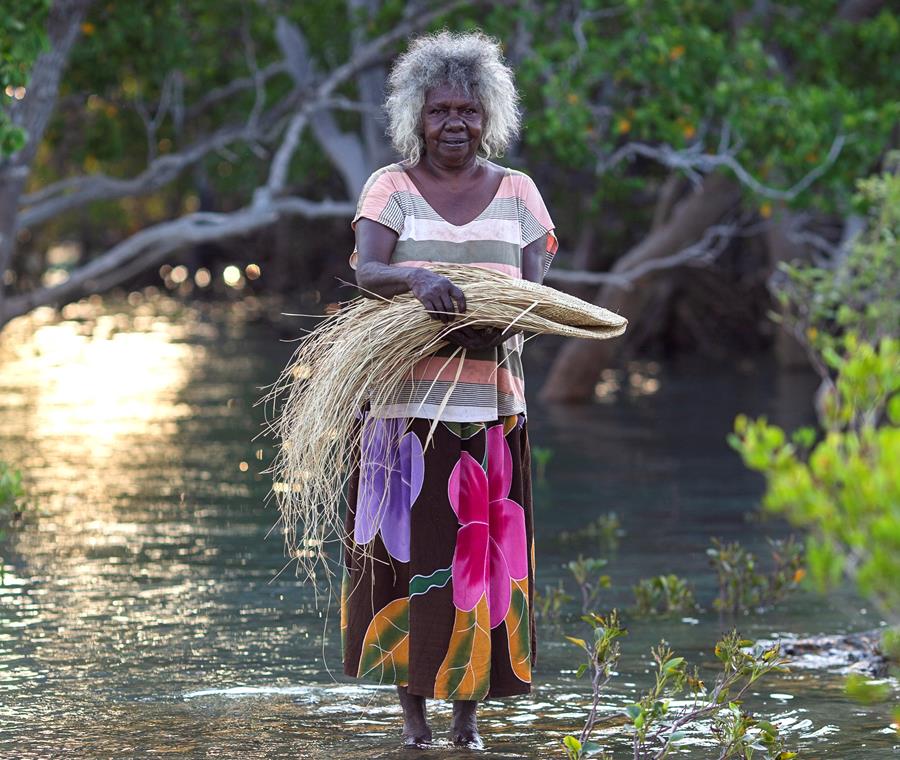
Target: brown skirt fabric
<point x="443" y="604"/>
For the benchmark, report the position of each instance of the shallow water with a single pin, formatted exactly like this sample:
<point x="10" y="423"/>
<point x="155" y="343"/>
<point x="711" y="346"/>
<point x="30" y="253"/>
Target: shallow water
<point x="143" y="613"/>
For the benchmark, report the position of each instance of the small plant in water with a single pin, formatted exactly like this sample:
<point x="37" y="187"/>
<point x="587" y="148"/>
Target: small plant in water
<point x="549" y="603"/>
<point x="742" y="587"/>
<point x="603" y="656"/>
<point x="657" y="726"/>
<point x="12" y="494"/>
<point x="541" y="457"/>
<point x="664" y="595"/>
<point x="605" y="532"/>
<point x="590" y="583"/>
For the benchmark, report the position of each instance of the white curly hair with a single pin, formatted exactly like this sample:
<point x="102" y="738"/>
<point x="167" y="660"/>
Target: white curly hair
<point x="471" y="61"/>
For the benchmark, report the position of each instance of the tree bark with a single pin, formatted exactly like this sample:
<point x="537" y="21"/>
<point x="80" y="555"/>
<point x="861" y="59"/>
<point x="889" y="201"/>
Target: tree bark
<point x="788" y="352"/>
<point x="33" y="113"/>
<point x="577" y="366"/>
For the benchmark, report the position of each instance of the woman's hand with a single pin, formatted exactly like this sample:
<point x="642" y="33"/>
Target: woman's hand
<point x="478" y="339"/>
<point x="437" y="294"/>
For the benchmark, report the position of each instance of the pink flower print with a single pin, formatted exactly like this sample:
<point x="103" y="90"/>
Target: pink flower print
<point x="490" y="544"/>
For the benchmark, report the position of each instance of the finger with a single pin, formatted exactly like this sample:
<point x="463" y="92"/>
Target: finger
<point x="431" y="308"/>
<point x="457" y="293"/>
<point x="447" y="306"/>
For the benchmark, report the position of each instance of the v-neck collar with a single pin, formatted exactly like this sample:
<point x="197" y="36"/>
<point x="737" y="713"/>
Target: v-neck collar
<point x="412" y="182"/>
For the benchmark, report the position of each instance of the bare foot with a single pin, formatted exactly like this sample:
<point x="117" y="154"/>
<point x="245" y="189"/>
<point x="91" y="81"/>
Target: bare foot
<point x="416" y="731"/>
<point x="464" y="729"/>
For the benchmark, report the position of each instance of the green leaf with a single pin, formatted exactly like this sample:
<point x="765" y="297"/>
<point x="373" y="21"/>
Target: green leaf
<point x="573" y="744"/>
<point x="868" y="692"/>
<point x="672" y="664"/>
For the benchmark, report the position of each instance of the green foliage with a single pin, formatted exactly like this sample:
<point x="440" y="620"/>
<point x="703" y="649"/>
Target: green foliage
<point x="549" y="603"/>
<point x="890" y="644"/>
<point x="22" y="40"/>
<point x="541" y="456"/>
<point x="12" y="495"/>
<point x="124" y="61"/>
<point x="664" y="595"/>
<point x="780" y="85"/>
<point x="864" y="690"/>
<point x="602" y="651"/>
<point x="846" y="489"/>
<point x="860" y="293"/>
<point x="742" y="587"/>
<point x="604" y="531"/>
<point x="586" y="572"/>
<point x="593" y="75"/>
<point x="659" y="719"/>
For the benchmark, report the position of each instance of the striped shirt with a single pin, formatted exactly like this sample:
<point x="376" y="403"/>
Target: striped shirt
<point x="489" y="383"/>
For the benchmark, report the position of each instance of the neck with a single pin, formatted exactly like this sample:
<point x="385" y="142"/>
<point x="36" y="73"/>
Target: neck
<point x="450" y="171"/>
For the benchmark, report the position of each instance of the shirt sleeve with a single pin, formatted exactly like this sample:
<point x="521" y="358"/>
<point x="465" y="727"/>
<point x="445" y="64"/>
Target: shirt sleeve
<point x="535" y="220"/>
<point x="380" y="202"/>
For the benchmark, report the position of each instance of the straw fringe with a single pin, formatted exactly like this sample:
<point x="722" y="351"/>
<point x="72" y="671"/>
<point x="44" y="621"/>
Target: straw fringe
<point x="361" y="354"/>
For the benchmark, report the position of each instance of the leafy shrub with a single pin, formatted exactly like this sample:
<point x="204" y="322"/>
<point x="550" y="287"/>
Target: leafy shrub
<point x="742" y="586"/>
<point x="844" y="489"/>
<point x="658" y="719"/>
<point x="663" y="595"/>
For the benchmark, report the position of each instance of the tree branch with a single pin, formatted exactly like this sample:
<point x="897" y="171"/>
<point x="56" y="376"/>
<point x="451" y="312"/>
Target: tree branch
<point x="365" y="55"/>
<point x="151" y="244"/>
<point x="711" y="245"/>
<point x="140" y="251"/>
<point x="234" y="87"/>
<point x="33" y="113"/>
<point x="695" y="163"/>
<point x="75" y="192"/>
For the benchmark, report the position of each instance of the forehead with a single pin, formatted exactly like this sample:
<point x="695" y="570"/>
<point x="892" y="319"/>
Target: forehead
<point x="451" y="94"/>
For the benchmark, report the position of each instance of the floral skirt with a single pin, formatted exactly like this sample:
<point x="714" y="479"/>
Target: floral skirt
<point x="442" y="601"/>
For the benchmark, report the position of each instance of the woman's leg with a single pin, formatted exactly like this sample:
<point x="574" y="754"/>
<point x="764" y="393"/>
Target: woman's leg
<point x="464" y="728"/>
<point x="415" y="727"/>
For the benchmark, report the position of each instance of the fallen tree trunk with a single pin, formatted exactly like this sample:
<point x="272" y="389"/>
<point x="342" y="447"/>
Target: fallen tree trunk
<point x="578" y="365"/>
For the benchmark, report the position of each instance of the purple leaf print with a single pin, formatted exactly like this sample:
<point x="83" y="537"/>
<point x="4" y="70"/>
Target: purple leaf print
<point x="391" y="477"/>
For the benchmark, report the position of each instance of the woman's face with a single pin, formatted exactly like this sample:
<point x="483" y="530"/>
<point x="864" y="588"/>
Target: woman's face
<point x="452" y="123"/>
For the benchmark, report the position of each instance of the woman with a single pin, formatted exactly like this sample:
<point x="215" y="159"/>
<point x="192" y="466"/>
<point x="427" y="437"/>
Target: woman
<point x="442" y="604"/>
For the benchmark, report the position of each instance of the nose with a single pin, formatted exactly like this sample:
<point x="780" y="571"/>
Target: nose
<point x="454" y="122"/>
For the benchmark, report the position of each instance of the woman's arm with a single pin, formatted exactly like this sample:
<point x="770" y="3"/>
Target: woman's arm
<point x="376" y="277"/>
<point x="533" y="260"/>
<point x="374" y="245"/>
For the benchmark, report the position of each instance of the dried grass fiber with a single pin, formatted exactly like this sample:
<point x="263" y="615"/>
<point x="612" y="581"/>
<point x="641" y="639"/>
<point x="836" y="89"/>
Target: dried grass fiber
<point x="359" y="355"/>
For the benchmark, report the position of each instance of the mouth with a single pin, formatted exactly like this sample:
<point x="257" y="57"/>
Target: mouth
<point x="455" y="142"/>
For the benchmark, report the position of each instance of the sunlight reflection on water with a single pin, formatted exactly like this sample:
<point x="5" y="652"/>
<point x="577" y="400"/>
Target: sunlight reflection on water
<point x="141" y="613"/>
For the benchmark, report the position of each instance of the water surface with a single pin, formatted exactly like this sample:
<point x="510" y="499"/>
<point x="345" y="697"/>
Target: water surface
<point x="143" y="613"/>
